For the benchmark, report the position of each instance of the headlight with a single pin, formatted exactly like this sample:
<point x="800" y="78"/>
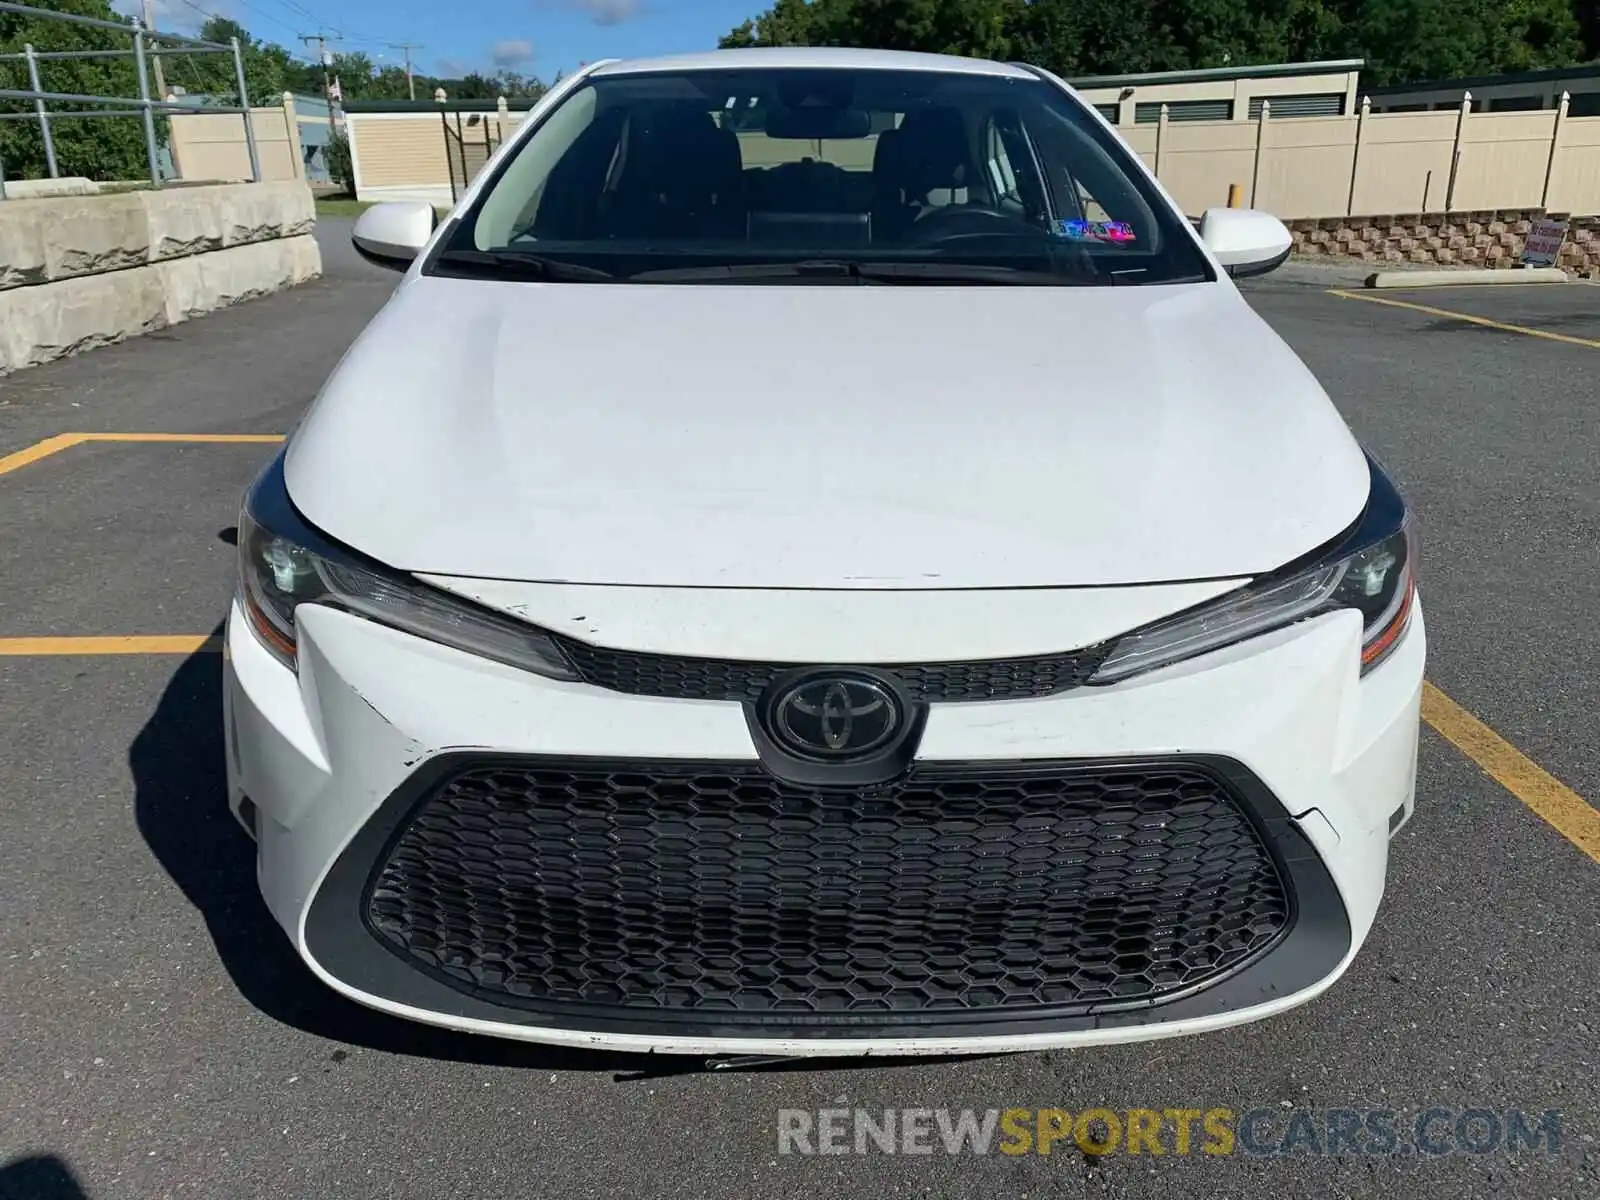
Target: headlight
<point x="284" y="563"/>
<point x="1371" y="570"/>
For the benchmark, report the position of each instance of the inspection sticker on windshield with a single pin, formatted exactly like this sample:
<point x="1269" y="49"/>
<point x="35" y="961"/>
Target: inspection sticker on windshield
<point x="1095" y="231"/>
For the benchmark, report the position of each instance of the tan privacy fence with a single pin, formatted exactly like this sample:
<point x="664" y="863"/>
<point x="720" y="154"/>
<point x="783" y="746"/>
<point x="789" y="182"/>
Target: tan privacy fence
<point x="1452" y="161"/>
<point x="211" y="146"/>
<point x="1368" y="162"/>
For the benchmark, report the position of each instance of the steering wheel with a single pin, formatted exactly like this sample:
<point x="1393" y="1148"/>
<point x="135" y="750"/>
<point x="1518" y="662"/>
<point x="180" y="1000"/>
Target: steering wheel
<point x="961" y="221"/>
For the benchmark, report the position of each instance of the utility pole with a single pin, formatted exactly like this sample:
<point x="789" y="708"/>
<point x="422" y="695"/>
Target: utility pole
<point x="408" y="47"/>
<point x="148" y="20"/>
<point x="326" y="60"/>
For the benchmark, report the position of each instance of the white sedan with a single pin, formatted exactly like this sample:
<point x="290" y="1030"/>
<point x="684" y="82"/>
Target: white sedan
<point x="817" y="557"/>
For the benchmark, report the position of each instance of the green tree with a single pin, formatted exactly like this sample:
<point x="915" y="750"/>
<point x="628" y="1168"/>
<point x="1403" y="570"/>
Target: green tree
<point x="1405" y="40"/>
<point x="1079" y="37"/>
<point x="786" y="23"/>
<point x="97" y="147"/>
<point x="1400" y="39"/>
<point x="267" y="67"/>
<point x="1587" y="13"/>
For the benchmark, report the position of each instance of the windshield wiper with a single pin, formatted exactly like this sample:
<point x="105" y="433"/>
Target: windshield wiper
<point x="520" y="264"/>
<point x="863" y="272"/>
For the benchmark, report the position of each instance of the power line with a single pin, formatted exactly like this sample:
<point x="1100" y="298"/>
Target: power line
<point x="407" y="48"/>
<point x="323" y="58"/>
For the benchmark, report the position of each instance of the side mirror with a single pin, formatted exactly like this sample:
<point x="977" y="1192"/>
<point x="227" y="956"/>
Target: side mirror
<point x="391" y="234"/>
<point x="1246" y="241"/>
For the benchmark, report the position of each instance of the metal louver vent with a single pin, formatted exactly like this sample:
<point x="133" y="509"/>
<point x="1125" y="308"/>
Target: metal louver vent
<point x="1108" y="111"/>
<point x="1320" y="104"/>
<point x="1184" y="110"/>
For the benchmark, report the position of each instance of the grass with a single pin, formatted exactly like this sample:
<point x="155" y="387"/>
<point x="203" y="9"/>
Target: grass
<point x="341" y="206"/>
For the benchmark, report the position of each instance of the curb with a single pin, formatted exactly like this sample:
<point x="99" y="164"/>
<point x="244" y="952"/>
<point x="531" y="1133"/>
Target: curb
<point x="1460" y="278"/>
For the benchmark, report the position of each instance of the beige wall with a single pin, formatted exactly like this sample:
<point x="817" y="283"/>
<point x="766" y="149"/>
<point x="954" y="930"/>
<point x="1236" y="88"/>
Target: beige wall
<point x="402" y="156"/>
<point x="399" y="156"/>
<point x="1382" y="163"/>
<point x="1575" y="173"/>
<point x="1201" y="158"/>
<point x="1503" y="160"/>
<point x="211" y="146"/>
<point x="1303" y="163"/>
<point x="1240" y="91"/>
<point x="1548" y="92"/>
<point x="1404" y="165"/>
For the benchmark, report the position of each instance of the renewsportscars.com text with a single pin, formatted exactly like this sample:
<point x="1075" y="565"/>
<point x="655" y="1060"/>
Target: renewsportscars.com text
<point x="1215" y="1132"/>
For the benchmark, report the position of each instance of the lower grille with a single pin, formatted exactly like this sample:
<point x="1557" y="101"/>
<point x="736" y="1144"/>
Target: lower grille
<point x="714" y="889"/>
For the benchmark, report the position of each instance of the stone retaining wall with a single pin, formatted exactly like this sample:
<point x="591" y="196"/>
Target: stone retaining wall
<point x="1469" y="239"/>
<point x="80" y="271"/>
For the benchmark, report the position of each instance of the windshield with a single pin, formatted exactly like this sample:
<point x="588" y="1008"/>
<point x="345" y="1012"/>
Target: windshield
<point x="838" y="174"/>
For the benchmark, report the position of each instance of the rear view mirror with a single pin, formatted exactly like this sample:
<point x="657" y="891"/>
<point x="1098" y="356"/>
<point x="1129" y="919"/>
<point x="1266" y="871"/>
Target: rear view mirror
<point x="807" y="122"/>
<point x="1246" y="241"/>
<point x="391" y="234"/>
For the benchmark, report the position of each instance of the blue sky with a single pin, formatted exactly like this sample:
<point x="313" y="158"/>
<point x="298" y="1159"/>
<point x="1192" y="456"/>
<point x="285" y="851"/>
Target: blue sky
<point x="538" y="37"/>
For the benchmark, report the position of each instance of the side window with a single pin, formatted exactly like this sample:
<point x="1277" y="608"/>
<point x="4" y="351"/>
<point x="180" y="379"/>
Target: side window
<point x="1002" y="175"/>
<point x="1092" y="209"/>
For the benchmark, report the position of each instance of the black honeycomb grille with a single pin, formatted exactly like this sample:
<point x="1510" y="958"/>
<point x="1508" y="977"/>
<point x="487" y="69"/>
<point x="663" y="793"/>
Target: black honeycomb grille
<point x="716" y="889"/>
<point x="685" y="678"/>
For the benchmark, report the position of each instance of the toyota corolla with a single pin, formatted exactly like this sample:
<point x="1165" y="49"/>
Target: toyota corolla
<point x="816" y="556"/>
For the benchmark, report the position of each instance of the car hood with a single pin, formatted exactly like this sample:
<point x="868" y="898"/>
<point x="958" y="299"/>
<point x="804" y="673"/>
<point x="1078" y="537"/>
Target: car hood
<point x="824" y="436"/>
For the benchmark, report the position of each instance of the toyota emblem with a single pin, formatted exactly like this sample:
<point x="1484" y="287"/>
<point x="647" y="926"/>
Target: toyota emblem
<point x="836" y="716"/>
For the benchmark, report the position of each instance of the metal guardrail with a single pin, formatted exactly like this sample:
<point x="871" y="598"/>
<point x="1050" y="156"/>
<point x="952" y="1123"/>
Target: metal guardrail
<point x="145" y="42"/>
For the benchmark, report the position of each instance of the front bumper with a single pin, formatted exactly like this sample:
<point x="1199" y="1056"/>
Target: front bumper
<point x="331" y="759"/>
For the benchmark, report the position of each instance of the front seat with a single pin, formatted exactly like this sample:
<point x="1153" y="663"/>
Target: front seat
<point x="928" y="163"/>
<point x="680" y="176"/>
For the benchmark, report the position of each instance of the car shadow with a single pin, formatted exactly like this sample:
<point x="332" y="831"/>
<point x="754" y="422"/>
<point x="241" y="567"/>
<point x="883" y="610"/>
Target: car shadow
<point x="39" y="1177"/>
<point x="181" y="810"/>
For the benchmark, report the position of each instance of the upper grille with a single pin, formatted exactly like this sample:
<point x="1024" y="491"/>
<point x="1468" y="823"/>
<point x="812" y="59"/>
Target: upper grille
<point x="718" y="890"/>
<point x="685" y="678"/>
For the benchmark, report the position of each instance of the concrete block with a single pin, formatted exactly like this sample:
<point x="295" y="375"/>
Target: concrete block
<point x="67" y="236"/>
<point x="201" y="283"/>
<point x="1462" y="277"/>
<point x="53" y="319"/>
<point x="90" y="234"/>
<point x="254" y="212"/>
<point x="40" y="323"/>
<point x="23" y="225"/>
<point x="201" y="219"/>
<point x="38" y="189"/>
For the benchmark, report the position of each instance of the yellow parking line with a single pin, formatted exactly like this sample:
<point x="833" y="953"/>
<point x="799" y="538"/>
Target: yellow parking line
<point x="183" y="643"/>
<point x="61" y="441"/>
<point x="1573" y="817"/>
<point x="39" y="450"/>
<point x="1504" y="326"/>
<point x="180" y="437"/>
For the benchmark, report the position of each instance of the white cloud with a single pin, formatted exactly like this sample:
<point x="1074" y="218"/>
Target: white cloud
<point x="508" y="54"/>
<point x="603" y="12"/>
<point x="172" y="15"/>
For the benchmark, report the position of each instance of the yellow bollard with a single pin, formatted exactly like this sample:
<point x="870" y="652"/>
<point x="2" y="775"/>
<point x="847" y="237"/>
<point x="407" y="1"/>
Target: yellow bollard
<point x="1236" y="195"/>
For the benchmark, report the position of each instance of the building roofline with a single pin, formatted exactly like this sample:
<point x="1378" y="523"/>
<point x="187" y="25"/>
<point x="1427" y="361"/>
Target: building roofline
<point x="1337" y="66"/>
<point x="1467" y="82"/>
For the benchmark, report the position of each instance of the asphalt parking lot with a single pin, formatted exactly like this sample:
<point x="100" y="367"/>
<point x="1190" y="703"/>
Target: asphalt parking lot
<point x="161" y="1039"/>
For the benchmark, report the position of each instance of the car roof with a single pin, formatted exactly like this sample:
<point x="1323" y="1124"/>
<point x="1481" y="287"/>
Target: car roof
<point x="790" y="57"/>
